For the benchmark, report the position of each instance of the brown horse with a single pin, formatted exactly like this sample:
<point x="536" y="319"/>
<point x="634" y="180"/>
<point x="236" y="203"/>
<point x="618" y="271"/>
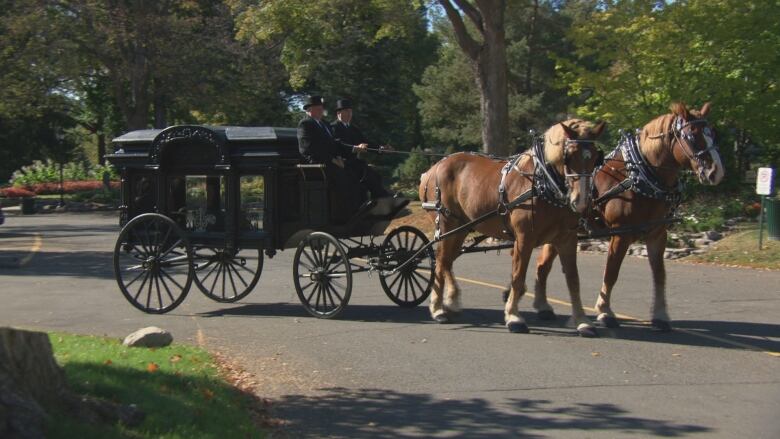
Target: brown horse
<point x="669" y="144"/>
<point x="468" y="185"/>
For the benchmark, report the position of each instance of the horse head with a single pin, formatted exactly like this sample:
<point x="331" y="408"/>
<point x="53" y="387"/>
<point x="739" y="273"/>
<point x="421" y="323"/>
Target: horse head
<point x="694" y="144"/>
<point x="578" y="159"/>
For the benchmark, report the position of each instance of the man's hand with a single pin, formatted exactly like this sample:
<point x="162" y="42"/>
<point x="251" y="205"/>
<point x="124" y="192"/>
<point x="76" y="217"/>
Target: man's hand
<point x="387" y="148"/>
<point x="338" y="161"/>
<point x="362" y="147"/>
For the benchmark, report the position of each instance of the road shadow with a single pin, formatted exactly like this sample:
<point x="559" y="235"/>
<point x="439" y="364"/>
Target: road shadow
<point x="705" y="333"/>
<point x="77" y="264"/>
<point x="383" y="413"/>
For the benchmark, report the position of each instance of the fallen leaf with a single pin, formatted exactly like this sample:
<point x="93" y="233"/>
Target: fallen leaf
<point x="152" y="367"/>
<point x="596" y="354"/>
<point x="208" y="394"/>
<point x="176" y="358"/>
<point x="676" y="355"/>
<point x="108" y="362"/>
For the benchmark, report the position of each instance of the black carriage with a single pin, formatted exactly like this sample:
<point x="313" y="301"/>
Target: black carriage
<point x="203" y="205"/>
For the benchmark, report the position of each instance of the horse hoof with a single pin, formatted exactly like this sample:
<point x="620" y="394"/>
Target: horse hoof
<point x="610" y="322"/>
<point x="442" y="318"/>
<point x="517" y="328"/>
<point x="587" y="332"/>
<point x="659" y="325"/>
<point x="505" y="295"/>
<point x="546" y="314"/>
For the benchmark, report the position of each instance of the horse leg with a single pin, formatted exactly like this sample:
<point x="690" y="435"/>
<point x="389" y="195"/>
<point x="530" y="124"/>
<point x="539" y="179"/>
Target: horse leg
<point x="452" y="304"/>
<point x="448" y="250"/>
<point x="520" y="259"/>
<point x="656" y="245"/>
<point x="568" y="256"/>
<point x="543" y="265"/>
<point x="618" y="246"/>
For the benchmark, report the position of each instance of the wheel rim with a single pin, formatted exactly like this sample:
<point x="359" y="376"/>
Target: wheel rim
<point x="322" y="275"/>
<point x="153" y="263"/>
<point x="224" y="276"/>
<point x="411" y="285"/>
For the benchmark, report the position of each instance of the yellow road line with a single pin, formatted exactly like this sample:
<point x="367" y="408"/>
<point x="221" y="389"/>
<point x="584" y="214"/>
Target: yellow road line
<point x="626" y="317"/>
<point x="36" y="247"/>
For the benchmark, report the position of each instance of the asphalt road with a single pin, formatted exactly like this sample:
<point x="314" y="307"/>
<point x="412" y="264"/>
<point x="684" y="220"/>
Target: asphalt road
<point x="383" y="371"/>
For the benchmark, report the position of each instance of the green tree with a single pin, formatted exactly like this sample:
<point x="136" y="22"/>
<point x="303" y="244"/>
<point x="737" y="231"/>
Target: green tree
<point x="369" y="51"/>
<point x="633" y="58"/>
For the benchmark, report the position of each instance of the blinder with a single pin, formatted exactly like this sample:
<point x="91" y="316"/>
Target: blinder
<point x="689" y="139"/>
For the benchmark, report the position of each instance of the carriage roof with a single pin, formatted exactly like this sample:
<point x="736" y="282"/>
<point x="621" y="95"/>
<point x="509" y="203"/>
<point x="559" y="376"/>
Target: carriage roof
<point x="204" y="147"/>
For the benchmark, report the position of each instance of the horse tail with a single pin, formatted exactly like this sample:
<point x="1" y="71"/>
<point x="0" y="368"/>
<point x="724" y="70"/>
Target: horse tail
<point x="425" y="177"/>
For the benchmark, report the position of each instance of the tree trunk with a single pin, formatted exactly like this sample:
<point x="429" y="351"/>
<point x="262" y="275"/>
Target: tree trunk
<point x="492" y="82"/>
<point x="31" y="381"/>
<point x="488" y="59"/>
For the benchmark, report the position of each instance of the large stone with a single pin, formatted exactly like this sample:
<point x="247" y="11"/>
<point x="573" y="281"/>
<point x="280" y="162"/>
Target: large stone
<point x="150" y="337"/>
<point x="712" y="235"/>
<point x="701" y="242"/>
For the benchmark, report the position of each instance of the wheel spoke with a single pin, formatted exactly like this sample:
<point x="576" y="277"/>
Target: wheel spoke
<point x="395" y="281"/>
<point x="341" y="299"/>
<point x="159" y="293"/>
<point x="416" y="282"/>
<point x="312" y="261"/>
<point x="171" y="248"/>
<point x="149" y="292"/>
<point x="232" y="283"/>
<point x="171" y="279"/>
<point x="127" y="285"/>
<point x="141" y="288"/>
<point x="167" y="290"/>
<point x="224" y="279"/>
<point x="316" y="285"/>
<point x="232" y="267"/>
<point x="243" y="267"/>
<point x="209" y="273"/>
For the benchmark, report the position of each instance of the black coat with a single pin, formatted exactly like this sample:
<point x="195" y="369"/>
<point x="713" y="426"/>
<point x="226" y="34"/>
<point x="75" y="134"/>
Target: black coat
<point x="316" y="145"/>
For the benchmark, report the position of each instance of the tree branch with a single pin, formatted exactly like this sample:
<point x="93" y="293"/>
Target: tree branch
<point x="472" y="13"/>
<point x="466" y="42"/>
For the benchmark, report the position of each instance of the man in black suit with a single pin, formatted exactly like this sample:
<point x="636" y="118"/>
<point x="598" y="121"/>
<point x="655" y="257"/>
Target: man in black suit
<point x="345" y="132"/>
<point x="317" y="144"/>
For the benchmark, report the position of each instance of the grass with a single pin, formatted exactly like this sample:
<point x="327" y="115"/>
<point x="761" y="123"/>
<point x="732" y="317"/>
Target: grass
<point x="178" y="387"/>
<point x="741" y="249"/>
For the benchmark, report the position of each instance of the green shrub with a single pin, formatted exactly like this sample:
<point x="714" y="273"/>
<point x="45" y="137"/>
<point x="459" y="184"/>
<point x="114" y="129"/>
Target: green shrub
<point x="49" y="172"/>
<point x="410" y="170"/>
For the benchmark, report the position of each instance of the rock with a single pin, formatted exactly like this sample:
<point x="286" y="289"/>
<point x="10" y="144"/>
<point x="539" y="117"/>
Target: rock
<point x="713" y="235"/>
<point x="150" y="337"/>
<point x="701" y="242"/>
<point x="730" y="223"/>
<point x="583" y="246"/>
<point x="668" y="254"/>
<point x="698" y="252"/>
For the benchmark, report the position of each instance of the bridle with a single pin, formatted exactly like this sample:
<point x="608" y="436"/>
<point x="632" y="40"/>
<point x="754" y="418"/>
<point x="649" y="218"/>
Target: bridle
<point x="586" y="153"/>
<point x="682" y="132"/>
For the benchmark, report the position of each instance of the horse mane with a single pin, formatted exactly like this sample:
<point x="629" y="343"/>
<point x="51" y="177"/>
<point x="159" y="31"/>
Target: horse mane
<point x="555" y="137"/>
<point x="654" y="135"/>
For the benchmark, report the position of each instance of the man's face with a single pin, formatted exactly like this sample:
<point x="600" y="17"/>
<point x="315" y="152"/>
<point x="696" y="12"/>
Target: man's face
<point x="345" y="115"/>
<point x="315" y="111"/>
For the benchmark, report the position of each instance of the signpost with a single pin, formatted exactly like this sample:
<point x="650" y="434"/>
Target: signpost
<point x="764" y="187"/>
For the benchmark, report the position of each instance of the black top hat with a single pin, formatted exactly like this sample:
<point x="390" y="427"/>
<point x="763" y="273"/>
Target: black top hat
<point x="312" y="100"/>
<point x="343" y="104"/>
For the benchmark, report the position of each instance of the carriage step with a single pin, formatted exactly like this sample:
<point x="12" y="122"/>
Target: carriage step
<point x="429" y="206"/>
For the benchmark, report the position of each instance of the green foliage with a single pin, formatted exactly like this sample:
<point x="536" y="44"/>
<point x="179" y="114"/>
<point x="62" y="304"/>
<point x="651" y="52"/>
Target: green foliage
<point x="178" y="387"/>
<point x="49" y="172"/>
<point x="634" y="58"/>
<point x="370" y="51"/>
<point x="449" y="97"/>
<point x="414" y="166"/>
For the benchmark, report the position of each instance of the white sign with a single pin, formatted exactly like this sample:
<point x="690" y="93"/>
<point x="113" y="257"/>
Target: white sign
<point x="764" y="181"/>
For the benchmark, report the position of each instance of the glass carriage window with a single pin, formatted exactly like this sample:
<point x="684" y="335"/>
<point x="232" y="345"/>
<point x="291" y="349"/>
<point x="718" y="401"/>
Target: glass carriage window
<point x="143" y="195"/>
<point x="252" y="202"/>
<point x="200" y="200"/>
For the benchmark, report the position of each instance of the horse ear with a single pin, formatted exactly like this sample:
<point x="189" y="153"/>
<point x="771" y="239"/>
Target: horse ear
<point x="598" y="129"/>
<point x="705" y="109"/>
<point x="680" y="109"/>
<point x="570" y="133"/>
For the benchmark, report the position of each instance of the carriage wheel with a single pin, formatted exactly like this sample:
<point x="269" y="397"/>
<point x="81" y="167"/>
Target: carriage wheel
<point x="227" y="276"/>
<point x="412" y="284"/>
<point x="153" y="263"/>
<point x="322" y="275"/>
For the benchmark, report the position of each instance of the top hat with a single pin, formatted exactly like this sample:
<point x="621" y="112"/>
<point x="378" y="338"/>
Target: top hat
<point x="312" y="100"/>
<point x="343" y="104"/>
